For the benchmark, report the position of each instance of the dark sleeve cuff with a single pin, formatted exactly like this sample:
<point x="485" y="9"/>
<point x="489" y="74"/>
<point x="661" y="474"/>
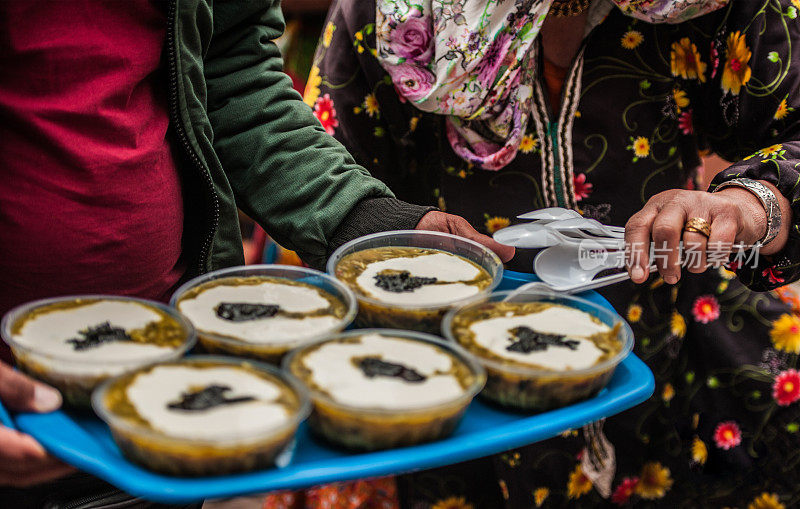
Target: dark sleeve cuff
<point x="373" y="215"/>
<point x="761" y="273"/>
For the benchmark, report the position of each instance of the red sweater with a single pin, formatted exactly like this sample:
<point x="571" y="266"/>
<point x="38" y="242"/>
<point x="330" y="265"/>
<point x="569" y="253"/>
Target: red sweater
<point x="90" y="198"/>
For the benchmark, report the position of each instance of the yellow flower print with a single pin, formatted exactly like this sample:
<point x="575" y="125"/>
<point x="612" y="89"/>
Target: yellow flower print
<point x="783" y="108"/>
<point x="540" y="495"/>
<point x="312" y="91"/>
<point x="785" y="333"/>
<point x="528" y="144"/>
<point x="766" y="501"/>
<point x="681" y="99"/>
<point x="699" y="451"/>
<point x="327" y="34"/>
<point x="578" y="485"/>
<point x="685" y="61"/>
<point x="736" y="72"/>
<point x="632" y="39"/>
<point x="371" y="105"/>
<point x="726" y="274"/>
<point x="634" y="312"/>
<point x="796" y="3"/>
<point x="503" y="488"/>
<point x="667" y="393"/>
<point x="654" y="481"/>
<point x="640" y="147"/>
<point x="452" y="503"/>
<point x="677" y="324"/>
<point x="512" y="459"/>
<point x="359" y="41"/>
<point x="495" y="223"/>
<point x="772" y="151"/>
<point x="412" y="124"/>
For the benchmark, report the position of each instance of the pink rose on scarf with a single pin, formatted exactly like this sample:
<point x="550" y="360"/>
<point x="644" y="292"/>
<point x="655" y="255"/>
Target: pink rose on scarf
<point x="501" y="158"/>
<point x="490" y="63"/>
<point x="412" y="40"/>
<point x="412" y="81"/>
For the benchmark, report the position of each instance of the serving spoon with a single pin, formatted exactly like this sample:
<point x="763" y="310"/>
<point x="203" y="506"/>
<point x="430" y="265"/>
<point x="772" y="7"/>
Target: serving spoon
<point x="550" y="214"/>
<point x="584" y="224"/>
<point x="566" y="266"/>
<point x="582" y="287"/>
<point x="537" y="236"/>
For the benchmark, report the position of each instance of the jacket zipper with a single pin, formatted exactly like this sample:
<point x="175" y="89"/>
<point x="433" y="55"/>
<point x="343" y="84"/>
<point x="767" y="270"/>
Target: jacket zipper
<point x="81" y="482"/>
<point x="111" y="498"/>
<point x="183" y="139"/>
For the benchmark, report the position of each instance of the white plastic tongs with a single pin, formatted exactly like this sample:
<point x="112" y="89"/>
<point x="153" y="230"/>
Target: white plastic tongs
<point x="567" y="236"/>
<point x="555" y="226"/>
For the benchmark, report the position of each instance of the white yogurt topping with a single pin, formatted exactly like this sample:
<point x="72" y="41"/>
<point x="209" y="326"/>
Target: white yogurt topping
<point x="443" y="266"/>
<point x="151" y="393"/>
<point x="333" y="370"/>
<point x="493" y="334"/>
<point x="278" y="329"/>
<point x="48" y="334"/>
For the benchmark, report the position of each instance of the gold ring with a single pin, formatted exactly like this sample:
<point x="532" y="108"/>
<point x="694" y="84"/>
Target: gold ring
<point x="698" y="225"/>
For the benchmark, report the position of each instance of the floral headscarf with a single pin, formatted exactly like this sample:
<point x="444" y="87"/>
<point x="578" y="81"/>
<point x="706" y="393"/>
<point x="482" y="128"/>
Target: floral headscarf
<point x="470" y="60"/>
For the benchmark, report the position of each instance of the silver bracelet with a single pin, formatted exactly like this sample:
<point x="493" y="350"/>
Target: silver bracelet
<point x="767" y="199"/>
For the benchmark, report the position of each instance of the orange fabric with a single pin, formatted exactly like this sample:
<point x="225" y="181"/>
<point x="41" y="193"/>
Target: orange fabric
<point x="789" y="295"/>
<point x="554" y="77"/>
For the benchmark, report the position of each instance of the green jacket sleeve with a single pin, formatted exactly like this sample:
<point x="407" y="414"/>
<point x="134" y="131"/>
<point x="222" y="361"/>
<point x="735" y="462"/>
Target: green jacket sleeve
<point x="286" y="172"/>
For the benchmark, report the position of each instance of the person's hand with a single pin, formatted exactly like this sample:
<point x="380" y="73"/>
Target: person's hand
<point x="23" y="461"/>
<point x="448" y="223"/>
<point x="735" y="215"/>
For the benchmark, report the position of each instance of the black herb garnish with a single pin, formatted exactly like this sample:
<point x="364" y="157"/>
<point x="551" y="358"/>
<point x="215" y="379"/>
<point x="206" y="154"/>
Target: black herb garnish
<point x="245" y="311"/>
<point x="92" y="337"/>
<point x="527" y="340"/>
<point x="401" y="282"/>
<point x="205" y="398"/>
<point x="373" y="366"/>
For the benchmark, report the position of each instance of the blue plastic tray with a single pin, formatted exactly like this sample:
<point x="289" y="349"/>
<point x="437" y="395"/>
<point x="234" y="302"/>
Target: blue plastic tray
<point x="84" y="441"/>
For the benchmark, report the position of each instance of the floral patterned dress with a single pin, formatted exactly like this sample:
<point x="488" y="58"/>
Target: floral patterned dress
<point x="638" y="103"/>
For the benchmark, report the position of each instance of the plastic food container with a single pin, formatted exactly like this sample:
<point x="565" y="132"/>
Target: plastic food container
<point x="77" y="370"/>
<point x="267" y="338"/>
<point x="530" y="388"/>
<point x="414" y="316"/>
<point x="365" y="427"/>
<point x="220" y="453"/>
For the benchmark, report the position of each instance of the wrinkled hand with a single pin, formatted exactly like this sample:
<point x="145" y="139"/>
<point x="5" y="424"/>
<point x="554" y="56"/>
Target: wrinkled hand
<point x="735" y="215"/>
<point x="23" y="462"/>
<point x="448" y="223"/>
